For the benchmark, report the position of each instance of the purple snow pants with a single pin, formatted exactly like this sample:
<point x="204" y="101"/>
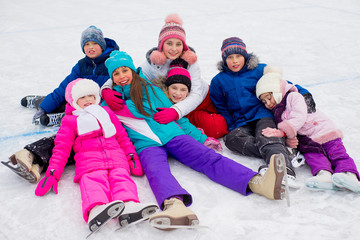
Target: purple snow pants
<point x="336" y="161"/>
<point x="190" y="152"/>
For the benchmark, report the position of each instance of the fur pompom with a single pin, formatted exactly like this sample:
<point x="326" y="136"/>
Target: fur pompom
<point x="173" y="18"/>
<point x="189" y="56"/>
<point x="272" y="69"/>
<point x="158" y="58"/>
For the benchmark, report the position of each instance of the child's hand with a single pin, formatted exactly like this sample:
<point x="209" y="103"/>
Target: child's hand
<point x="135" y="165"/>
<point x="113" y="99"/>
<point x="166" y="115"/>
<point x="46" y="183"/>
<point x="292" y="142"/>
<point x="272" y="132"/>
<point x="213" y="143"/>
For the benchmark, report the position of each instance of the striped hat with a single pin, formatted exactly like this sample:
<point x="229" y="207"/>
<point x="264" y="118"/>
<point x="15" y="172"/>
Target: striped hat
<point x="233" y="45"/>
<point x="172" y="29"/>
<point x="178" y="73"/>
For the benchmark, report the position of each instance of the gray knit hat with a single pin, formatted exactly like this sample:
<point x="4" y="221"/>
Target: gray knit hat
<point x="92" y="33"/>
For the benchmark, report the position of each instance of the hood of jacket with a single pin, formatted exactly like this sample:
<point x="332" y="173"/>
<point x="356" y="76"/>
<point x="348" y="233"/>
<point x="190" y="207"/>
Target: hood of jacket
<point x="250" y="64"/>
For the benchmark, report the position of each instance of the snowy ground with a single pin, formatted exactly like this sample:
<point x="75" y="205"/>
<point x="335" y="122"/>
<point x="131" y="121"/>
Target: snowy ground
<point x="315" y="42"/>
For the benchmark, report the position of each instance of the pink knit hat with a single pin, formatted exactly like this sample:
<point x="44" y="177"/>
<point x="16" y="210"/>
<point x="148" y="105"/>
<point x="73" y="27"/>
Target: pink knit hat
<point x="172" y="29"/>
<point x="81" y="87"/>
<point x="178" y="73"/>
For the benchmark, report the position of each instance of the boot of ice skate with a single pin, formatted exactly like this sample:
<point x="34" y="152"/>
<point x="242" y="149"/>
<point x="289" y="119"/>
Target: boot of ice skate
<point x="270" y="184"/>
<point x="31" y="101"/>
<point x="174" y="215"/>
<point x="36" y="170"/>
<point x="136" y="212"/>
<point x="322" y="181"/>
<point x="346" y="180"/>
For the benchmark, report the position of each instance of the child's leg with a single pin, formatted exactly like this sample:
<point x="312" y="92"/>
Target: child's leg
<point x="317" y="162"/>
<point x="122" y="187"/>
<point x="339" y="158"/>
<point x="218" y="168"/>
<point x="95" y="190"/>
<point x="154" y="161"/>
<point x="214" y="125"/>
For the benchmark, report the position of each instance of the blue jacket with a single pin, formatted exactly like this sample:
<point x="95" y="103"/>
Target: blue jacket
<point x="142" y="129"/>
<point x="233" y="94"/>
<point x="86" y="67"/>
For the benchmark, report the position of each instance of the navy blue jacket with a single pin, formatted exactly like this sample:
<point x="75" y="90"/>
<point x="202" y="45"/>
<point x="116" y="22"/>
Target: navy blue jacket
<point x="86" y="67"/>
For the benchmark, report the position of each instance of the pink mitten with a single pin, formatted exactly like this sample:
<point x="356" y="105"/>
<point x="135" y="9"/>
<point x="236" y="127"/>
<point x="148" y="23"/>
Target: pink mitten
<point x="113" y="99"/>
<point x="46" y="183"/>
<point x="213" y="143"/>
<point x="135" y="165"/>
<point x="166" y="115"/>
<point x="292" y="142"/>
<point x="272" y="132"/>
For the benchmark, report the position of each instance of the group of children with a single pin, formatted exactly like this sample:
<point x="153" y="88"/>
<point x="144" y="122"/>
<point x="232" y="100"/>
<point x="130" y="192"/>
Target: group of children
<point x="164" y="108"/>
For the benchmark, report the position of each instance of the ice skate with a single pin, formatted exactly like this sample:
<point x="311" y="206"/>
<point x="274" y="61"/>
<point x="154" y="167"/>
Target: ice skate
<point x="51" y="119"/>
<point x="102" y="214"/>
<point x="322" y="181"/>
<point x="346" y="180"/>
<point x="174" y="215"/>
<point x="31" y="101"/>
<point x="291" y="179"/>
<point x="136" y="212"/>
<point x="297" y="159"/>
<point x="270" y="184"/>
<point x="21" y="164"/>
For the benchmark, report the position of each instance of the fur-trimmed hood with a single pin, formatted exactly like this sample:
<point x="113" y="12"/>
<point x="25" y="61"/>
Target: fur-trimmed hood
<point x="251" y="63"/>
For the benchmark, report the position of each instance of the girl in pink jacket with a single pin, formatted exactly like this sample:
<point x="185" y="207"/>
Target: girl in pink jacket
<point x="315" y="135"/>
<point x="104" y="157"/>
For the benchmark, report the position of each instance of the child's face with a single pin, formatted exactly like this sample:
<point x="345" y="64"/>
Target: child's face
<point x="85" y="101"/>
<point x="177" y="92"/>
<point x="235" y="62"/>
<point x="268" y="100"/>
<point x="122" y="76"/>
<point x="92" y="49"/>
<point x="173" y="48"/>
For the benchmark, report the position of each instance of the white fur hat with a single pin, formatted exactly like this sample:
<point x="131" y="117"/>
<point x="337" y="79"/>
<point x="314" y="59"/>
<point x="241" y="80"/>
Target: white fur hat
<point x="79" y="88"/>
<point x="270" y="82"/>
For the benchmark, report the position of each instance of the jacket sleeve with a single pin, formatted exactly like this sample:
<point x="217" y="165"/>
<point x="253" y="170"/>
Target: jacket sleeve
<point x="64" y="141"/>
<point x="57" y="97"/>
<point x="107" y="84"/>
<point x="191" y="130"/>
<point x="121" y="134"/>
<point x="198" y="92"/>
<point x="219" y="101"/>
<point x="296" y="114"/>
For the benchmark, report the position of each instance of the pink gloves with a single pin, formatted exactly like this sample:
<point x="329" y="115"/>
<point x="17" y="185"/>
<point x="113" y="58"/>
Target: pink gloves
<point x="135" y="165"/>
<point x="273" y="132"/>
<point x="46" y="183"/>
<point x="213" y="143"/>
<point x="166" y="115"/>
<point x="292" y="142"/>
<point x="113" y="99"/>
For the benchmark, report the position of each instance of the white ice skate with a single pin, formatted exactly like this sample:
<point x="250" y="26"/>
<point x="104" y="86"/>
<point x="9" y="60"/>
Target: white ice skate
<point x="322" y="181"/>
<point x="346" y="180"/>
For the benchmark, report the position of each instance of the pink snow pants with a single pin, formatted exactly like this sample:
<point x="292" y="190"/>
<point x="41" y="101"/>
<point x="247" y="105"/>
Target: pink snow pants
<point x="104" y="186"/>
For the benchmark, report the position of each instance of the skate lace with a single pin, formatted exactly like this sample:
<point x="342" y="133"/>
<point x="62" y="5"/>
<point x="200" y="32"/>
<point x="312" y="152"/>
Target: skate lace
<point x="55" y="119"/>
<point x="30" y="102"/>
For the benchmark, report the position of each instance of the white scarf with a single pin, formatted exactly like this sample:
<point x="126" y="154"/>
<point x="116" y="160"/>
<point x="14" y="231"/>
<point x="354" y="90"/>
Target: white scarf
<point x="89" y="119"/>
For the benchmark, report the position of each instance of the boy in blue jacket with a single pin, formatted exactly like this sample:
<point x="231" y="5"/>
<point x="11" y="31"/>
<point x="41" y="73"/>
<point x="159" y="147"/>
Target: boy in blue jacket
<point x="30" y="161"/>
<point x="233" y="94"/>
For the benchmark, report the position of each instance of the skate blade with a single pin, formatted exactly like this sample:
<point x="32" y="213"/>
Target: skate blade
<point x="165" y="224"/>
<point x="315" y="186"/>
<point x="21" y="171"/>
<point x="280" y="167"/>
<point x="135" y="218"/>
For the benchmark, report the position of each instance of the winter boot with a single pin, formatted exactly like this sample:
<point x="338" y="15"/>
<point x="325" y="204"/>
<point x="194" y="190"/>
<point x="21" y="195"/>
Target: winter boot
<point x="101" y="214"/>
<point x="175" y="214"/>
<point x="291" y="178"/>
<point x="322" y="181"/>
<point x="136" y="212"/>
<point x="32" y="101"/>
<point x="269" y="185"/>
<point x="51" y="119"/>
<point x="346" y="180"/>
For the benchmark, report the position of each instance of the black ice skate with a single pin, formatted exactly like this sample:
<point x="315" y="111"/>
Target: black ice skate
<point x="32" y="101"/>
<point x="136" y="212"/>
<point x="51" y="119"/>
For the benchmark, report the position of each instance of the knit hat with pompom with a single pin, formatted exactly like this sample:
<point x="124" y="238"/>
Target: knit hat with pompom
<point x="172" y="29"/>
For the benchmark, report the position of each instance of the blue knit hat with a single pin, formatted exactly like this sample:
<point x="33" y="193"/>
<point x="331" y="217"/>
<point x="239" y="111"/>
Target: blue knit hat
<point x="119" y="59"/>
<point x="233" y="45"/>
<point x="92" y="33"/>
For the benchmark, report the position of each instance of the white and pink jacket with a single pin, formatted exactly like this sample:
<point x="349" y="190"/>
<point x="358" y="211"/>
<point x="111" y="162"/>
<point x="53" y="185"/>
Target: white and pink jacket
<point x="296" y="119"/>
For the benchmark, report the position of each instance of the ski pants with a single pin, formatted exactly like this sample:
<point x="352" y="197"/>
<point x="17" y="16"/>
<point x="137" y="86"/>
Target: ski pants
<point x="336" y="159"/>
<point x="195" y="155"/>
<point x="249" y="141"/>
<point x="104" y="186"/>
